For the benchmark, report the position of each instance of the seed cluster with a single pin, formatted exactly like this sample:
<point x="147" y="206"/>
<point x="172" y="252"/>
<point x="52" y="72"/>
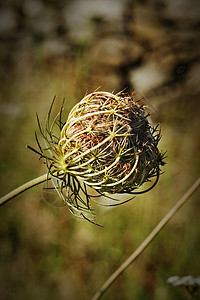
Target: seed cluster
<point x="108" y="142"/>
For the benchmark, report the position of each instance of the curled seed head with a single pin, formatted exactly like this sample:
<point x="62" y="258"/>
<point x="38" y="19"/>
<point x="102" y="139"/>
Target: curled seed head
<point x="107" y="143"/>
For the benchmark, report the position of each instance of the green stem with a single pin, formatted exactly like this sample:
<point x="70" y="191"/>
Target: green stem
<point x="23" y="188"/>
<point x="147" y="241"/>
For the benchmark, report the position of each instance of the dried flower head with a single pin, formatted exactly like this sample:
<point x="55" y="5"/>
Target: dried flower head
<point x="107" y="143"/>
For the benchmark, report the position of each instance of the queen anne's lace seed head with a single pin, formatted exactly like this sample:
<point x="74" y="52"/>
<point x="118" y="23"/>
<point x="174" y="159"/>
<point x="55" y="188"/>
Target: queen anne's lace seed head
<point x="107" y="143"/>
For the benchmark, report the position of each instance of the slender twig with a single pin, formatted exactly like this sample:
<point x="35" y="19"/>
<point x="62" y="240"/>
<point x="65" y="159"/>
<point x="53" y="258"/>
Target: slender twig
<point x="23" y="188"/>
<point x="147" y="241"/>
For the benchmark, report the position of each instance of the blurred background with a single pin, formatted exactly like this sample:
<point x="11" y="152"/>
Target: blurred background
<point x="68" y="49"/>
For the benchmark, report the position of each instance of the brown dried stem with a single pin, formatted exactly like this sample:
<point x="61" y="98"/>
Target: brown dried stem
<point x="147" y="241"/>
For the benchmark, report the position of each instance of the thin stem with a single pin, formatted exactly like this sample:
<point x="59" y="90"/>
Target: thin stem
<point x="147" y="241"/>
<point x="23" y="188"/>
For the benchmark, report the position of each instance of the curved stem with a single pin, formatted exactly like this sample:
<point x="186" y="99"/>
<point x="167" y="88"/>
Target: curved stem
<point x="24" y="187"/>
<point x="147" y="241"/>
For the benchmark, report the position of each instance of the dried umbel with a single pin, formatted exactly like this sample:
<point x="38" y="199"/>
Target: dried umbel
<point x="107" y="143"/>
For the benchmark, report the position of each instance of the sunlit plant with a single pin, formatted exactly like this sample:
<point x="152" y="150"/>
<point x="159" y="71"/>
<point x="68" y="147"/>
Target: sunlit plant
<point x="106" y="145"/>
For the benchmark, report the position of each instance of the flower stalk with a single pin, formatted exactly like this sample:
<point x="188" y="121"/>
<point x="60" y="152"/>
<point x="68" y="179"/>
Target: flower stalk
<point x="24" y="188"/>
